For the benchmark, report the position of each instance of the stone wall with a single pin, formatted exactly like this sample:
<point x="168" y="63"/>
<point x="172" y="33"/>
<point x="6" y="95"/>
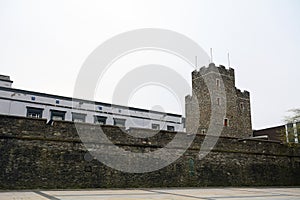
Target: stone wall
<point x="36" y="155"/>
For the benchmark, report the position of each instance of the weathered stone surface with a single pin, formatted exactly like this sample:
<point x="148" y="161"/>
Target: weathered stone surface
<point x="213" y="90"/>
<point x="36" y="155"/>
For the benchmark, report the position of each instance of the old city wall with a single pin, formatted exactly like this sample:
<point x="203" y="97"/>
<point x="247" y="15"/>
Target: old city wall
<point x="36" y="155"/>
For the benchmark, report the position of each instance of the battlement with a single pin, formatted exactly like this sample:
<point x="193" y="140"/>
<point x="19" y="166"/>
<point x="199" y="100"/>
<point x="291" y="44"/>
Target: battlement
<point x="242" y="94"/>
<point x="188" y="98"/>
<point x="213" y="68"/>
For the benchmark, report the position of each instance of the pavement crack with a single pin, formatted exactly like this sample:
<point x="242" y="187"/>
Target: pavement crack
<point x="46" y="195"/>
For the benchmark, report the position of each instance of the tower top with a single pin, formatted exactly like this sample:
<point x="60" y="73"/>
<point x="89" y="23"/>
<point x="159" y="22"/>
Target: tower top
<point x="217" y="69"/>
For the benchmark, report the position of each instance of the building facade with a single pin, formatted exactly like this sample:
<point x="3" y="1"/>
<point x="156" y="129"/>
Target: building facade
<point x="53" y="107"/>
<point x="288" y="133"/>
<point x="213" y="90"/>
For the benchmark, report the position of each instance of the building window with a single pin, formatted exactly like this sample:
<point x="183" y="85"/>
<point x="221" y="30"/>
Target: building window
<point x="218" y="101"/>
<point x="170" y="128"/>
<point x="34" y="112"/>
<point x="119" y="122"/>
<point x="80" y="103"/>
<point x="78" y="117"/>
<point x="33" y="98"/>
<point x="218" y="83"/>
<point x="57" y="115"/>
<point x="226" y="122"/>
<point x="242" y="106"/>
<point x="100" y="120"/>
<point x="99" y="107"/>
<point x="57" y="101"/>
<point x="203" y="131"/>
<point x="155" y="126"/>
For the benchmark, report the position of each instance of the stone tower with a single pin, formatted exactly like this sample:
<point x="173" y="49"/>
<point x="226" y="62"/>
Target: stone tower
<point x="213" y="91"/>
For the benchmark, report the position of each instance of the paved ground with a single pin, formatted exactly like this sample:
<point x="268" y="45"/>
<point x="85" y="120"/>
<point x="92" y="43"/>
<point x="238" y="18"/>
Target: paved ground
<point x="184" y="194"/>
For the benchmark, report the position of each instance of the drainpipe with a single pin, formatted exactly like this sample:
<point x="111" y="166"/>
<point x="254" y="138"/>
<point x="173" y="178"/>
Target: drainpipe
<point x="287" y="133"/>
<point x="295" y="132"/>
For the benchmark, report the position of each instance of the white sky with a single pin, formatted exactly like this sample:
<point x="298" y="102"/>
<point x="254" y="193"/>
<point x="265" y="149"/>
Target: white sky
<point x="44" y="43"/>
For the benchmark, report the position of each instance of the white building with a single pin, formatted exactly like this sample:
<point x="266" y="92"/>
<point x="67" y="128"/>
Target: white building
<point x="53" y="107"/>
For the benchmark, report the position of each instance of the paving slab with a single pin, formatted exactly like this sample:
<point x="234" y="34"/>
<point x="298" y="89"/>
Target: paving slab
<point x="164" y="194"/>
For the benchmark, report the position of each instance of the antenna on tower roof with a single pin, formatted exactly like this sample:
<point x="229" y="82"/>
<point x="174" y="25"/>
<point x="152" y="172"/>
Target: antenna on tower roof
<point x="211" y="55"/>
<point x="196" y="62"/>
<point x="228" y="59"/>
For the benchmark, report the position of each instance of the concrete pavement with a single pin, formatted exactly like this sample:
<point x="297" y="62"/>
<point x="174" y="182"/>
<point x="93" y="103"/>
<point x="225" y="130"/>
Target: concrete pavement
<point x="165" y="194"/>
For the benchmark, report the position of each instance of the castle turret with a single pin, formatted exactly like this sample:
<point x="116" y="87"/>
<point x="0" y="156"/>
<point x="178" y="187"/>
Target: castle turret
<point x="214" y="91"/>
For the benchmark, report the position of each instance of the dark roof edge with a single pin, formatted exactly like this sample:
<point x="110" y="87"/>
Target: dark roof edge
<point x="84" y="100"/>
<point x="280" y="126"/>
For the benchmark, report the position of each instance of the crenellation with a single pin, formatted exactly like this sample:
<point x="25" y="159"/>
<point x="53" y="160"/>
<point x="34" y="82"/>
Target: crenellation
<point x="227" y="72"/>
<point x="243" y="94"/>
<point x="212" y="68"/>
<point x="222" y="67"/>
<point x="188" y="98"/>
<point x="195" y="73"/>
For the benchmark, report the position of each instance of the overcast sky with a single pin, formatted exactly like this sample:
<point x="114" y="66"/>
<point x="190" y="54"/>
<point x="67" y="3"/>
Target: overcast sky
<point x="44" y="43"/>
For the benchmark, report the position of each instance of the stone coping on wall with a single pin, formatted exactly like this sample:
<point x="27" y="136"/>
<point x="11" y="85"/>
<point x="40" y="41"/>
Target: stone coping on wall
<point x="23" y="128"/>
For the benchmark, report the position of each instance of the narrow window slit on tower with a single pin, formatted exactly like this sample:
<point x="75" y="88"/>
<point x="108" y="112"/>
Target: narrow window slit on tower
<point x="218" y="83"/>
<point x="218" y="101"/>
<point x="242" y="106"/>
<point x="226" y="122"/>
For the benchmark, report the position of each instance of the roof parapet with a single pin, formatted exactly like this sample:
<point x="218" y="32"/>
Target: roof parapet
<point x="5" y="81"/>
<point x="213" y="68"/>
<point x="242" y="94"/>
